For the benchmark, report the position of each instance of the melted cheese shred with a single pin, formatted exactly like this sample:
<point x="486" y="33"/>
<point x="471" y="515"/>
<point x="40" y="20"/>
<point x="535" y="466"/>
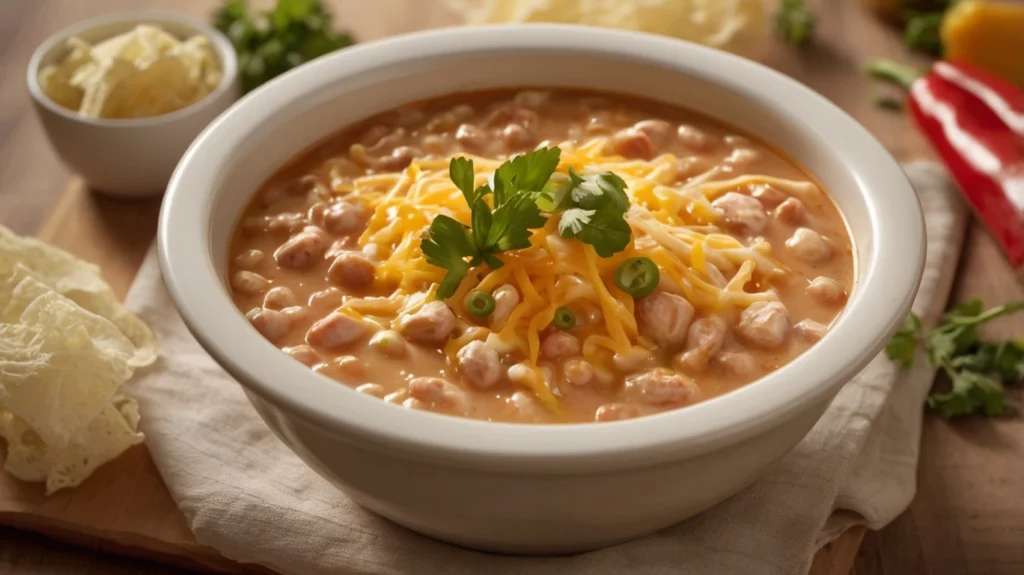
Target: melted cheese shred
<point x="672" y="225"/>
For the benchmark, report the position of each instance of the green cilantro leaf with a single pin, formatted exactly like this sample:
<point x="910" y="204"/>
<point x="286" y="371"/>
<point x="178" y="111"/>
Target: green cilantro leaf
<point x="513" y="221"/>
<point x="447" y="245"/>
<point x="593" y="192"/>
<point x="603" y="228"/>
<point x="971" y="392"/>
<point x="978" y="371"/>
<point x="460" y="170"/>
<point x="517" y="183"/>
<point x="903" y="346"/>
<point x="595" y="211"/>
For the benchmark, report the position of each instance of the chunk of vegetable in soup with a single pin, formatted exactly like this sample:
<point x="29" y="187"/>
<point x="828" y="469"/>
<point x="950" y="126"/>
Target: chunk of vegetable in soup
<point x="734" y="260"/>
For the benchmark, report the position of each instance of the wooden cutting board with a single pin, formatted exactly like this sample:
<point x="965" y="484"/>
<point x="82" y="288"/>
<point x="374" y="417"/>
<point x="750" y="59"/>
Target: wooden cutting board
<point x="125" y="507"/>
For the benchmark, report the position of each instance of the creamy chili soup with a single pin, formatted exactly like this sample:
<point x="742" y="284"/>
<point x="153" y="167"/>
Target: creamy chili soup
<point x="630" y="259"/>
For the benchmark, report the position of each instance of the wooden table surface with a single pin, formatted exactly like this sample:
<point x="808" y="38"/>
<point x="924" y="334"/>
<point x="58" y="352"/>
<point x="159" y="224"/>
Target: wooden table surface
<point x="956" y="525"/>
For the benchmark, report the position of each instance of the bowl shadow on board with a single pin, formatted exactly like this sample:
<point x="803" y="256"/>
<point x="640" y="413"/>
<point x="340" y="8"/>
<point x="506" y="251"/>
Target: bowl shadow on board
<point x="114" y="233"/>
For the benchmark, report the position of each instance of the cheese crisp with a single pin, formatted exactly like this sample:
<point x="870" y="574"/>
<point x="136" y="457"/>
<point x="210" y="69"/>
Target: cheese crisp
<point x="735" y="25"/>
<point x="142" y="73"/>
<point x="66" y="346"/>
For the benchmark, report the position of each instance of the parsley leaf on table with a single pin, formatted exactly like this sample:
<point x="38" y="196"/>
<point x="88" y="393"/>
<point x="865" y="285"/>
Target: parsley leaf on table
<point x="903" y="346"/>
<point x="978" y="371"/>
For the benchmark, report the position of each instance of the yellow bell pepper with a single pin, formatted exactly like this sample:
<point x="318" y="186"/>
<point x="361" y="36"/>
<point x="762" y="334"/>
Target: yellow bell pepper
<point x="988" y="35"/>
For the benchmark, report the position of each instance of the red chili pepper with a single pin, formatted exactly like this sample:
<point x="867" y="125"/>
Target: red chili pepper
<point x="975" y="121"/>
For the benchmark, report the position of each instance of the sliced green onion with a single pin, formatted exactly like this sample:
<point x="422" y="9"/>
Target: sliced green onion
<point x="564" y="318"/>
<point x="480" y="303"/>
<point x="637" y="276"/>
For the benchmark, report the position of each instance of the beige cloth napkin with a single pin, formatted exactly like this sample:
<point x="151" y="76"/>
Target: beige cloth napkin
<point x="245" y="494"/>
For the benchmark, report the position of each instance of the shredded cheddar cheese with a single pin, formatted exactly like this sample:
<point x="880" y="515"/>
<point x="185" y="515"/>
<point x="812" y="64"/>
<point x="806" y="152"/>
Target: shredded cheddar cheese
<point x="672" y="225"/>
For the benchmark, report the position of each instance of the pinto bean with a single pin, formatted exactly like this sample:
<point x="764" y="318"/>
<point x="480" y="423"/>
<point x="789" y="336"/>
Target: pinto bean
<point x="826" y="290"/>
<point x="302" y="249"/>
<point x="272" y="324"/>
<point x="471" y="138"/>
<point x="664" y="318"/>
<point x="559" y="344"/>
<point x="399" y="159"/>
<point x="764" y="324"/>
<point x="767" y="195"/>
<point x="479" y="365"/>
<point x="278" y="298"/>
<point x="249" y="283"/>
<point x="506" y="298"/>
<point x="517" y="137"/>
<point x="807" y="245"/>
<point x="295" y="313"/>
<point x="349" y="368"/>
<point x="616" y="412"/>
<point x="703" y="341"/>
<point x="662" y="386"/>
<point x="437" y="393"/>
<point x="249" y="259"/>
<point x="336" y="331"/>
<point x="303" y="354"/>
<point x="287" y="223"/>
<point x="372" y="389"/>
<point x="526" y="405"/>
<point x="659" y="131"/>
<point x="578" y="372"/>
<point x="693" y="138"/>
<point x="342" y="218"/>
<point x="390" y="343"/>
<point x="353" y="270"/>
<point x="741" y="157"/>
<point x="330" y="296"/>
<point x="737" y="363"/>
<point x="741" y="213"/>
<point x="810" y="330"/>
<point x="631" y="143"/>
<point x="430" y="325"/>
<point x="791" y="211"/>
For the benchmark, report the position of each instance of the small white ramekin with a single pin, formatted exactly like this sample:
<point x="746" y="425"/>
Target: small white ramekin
<point x="129" y="157"/>
<point x="537" y="488"/>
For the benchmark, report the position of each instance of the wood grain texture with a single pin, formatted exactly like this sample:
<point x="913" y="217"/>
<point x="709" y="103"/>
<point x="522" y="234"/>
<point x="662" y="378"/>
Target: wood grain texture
<point x="968" y="516"/>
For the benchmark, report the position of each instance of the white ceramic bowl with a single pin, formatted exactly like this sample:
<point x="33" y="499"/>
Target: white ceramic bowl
<point x="129" y="157"/>
<point x="536" y="488"/>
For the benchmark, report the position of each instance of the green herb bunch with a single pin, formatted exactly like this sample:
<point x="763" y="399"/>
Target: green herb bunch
<point x="592" y="210"/>
<point x="269" y="43"/>
<point x="978" y="371"/>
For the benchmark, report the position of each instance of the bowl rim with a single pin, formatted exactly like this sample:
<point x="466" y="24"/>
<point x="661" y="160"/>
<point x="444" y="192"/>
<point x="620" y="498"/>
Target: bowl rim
<point x="223" y="48"/>
<point x="890" y="277"/>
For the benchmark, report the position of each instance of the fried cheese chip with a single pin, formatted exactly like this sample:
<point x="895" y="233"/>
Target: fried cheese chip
<point x="66" y="346"/>
<point x="77" y="280"/>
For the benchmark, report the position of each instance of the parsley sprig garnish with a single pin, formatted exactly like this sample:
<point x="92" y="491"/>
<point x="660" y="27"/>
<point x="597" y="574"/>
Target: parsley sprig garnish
<point x="592" y="210"/>
<point x="978" y="371"/>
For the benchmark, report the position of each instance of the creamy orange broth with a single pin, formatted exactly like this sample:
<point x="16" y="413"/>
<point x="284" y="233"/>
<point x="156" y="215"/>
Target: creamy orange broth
<point x="497" y="125"/>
